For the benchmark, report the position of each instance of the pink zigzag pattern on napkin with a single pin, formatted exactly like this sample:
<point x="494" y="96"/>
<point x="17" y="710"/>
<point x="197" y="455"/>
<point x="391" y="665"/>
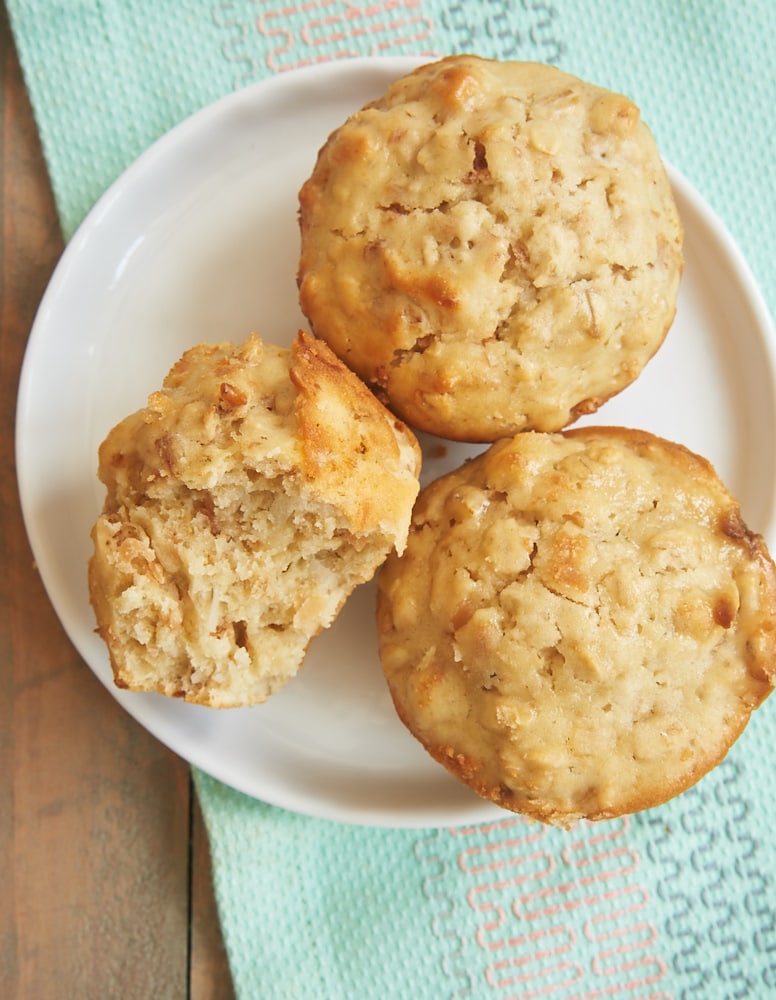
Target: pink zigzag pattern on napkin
<point x="536" y="903"/>
<point x="327" y="29"/>
<point x="286" y="34"/>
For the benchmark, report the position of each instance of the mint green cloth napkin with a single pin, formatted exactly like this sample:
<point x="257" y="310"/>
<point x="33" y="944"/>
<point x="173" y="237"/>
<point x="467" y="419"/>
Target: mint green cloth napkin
<point x="679" y="901"/>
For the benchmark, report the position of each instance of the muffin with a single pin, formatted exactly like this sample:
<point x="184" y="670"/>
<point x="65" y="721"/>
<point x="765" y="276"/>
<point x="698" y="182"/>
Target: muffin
<point x="256" y="490"/>
<point x="581" y="623"/>
<point x="494" y="246"/>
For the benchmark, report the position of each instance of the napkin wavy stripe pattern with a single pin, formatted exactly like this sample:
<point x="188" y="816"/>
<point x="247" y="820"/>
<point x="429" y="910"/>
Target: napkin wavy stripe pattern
<point x="676" y="902"/>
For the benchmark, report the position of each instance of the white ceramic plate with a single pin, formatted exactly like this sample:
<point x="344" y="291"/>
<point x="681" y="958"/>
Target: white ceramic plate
<point x="198" y="241"/>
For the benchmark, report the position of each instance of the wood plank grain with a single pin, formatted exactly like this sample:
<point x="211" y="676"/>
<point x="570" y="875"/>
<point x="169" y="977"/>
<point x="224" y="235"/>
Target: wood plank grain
<point x="94" y="813"/>
<point x="210" y="975"/>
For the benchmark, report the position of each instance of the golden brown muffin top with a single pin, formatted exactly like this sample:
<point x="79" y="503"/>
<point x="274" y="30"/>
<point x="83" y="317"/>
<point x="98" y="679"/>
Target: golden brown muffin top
<point x="493" y="244"/>
<point x="581" y="623"/>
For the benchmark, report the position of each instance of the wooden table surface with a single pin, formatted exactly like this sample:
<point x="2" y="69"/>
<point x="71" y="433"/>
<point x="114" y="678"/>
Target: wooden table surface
<point x="105" y="887"/>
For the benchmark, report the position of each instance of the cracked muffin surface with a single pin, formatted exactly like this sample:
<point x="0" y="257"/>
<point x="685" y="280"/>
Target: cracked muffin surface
<point x="581" y="623"/>
<point x="492" y="245"/>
